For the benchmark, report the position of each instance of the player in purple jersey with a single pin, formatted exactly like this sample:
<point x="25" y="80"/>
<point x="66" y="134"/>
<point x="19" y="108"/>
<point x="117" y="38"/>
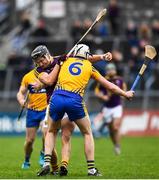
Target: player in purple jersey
<point x="112" y="108"/>
<point x="45" y="64"/>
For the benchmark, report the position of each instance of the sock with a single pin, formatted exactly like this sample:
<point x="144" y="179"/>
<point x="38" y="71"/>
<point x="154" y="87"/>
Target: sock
<point x="42" y="153"/>
<point x="90" y="164"/>
<point x="27" y="158"/>
<point x="64" y="163"/>
<point x="54" y="159"/>
<point x="47" y="159"/>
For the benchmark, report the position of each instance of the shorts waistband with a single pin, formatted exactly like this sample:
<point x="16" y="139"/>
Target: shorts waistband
<point x="67" y="93"/>
<point x="34" y="109"/>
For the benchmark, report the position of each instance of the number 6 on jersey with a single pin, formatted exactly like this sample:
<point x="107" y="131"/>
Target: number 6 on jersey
<point x="74" y="68"/>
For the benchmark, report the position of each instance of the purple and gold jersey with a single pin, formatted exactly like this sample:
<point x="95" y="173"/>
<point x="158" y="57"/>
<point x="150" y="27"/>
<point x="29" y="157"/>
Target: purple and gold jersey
<point x="114" y="100"/>
<point x="39" y="71"/>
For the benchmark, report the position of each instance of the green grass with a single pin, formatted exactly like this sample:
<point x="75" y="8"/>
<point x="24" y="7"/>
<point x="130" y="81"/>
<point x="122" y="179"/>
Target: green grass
<point x="139" y="158"/>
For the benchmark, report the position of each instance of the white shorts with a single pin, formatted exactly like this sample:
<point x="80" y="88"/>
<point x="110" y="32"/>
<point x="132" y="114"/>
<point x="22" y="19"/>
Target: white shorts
<point x="45" y="121"/>
<point x="111" y="113"/>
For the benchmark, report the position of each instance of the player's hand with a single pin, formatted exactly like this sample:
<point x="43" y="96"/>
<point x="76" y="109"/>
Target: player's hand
<point x="107" y="56"/>
<point x="105" y="98"/>
<point x="22" y="103"/>
<point x="37" y="85"/>
<point x="129" y="95"/>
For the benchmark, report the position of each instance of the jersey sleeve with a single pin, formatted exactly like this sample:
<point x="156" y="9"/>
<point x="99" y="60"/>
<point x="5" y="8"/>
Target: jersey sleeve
<point x="38" y="73"/>
<point x="60" y="58"/>
<point x="24" y="81"/>
<point x="95" y="74"/>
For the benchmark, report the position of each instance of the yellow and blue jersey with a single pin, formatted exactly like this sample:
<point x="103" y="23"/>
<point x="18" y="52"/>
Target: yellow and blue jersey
<point x="37" y="99"/>
<point x="68" y="95"/>
<point x="75" y="75"/>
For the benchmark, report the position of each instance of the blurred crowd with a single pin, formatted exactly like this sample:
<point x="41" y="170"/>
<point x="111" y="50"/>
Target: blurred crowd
<point x="19" y="55"/>
<point x="135" y="35"/>
<point x="128" y="38"/>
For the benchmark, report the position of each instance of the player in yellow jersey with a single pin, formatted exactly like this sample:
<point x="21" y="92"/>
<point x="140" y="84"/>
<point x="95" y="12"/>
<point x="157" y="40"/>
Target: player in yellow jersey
<point x="45" y="64"/>
<point x="68" y="98"/>
<point x="36" y="108"/>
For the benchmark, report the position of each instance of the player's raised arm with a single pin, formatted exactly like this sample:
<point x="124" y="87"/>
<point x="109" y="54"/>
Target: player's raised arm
<point x="110" y="86"/>
<point x="115" y="89"/>
<point x="94" y="58"/>
<point x="49" y="79"/>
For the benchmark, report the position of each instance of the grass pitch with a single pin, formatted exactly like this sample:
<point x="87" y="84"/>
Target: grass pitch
<point x="139" y="158"/>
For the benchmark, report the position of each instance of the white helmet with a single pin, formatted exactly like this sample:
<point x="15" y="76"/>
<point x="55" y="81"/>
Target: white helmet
<point x="81" y="50"/>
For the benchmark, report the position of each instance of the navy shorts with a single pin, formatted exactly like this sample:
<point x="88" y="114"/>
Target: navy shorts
<point x="73" y="106"/>
<point x="34" y="118"/>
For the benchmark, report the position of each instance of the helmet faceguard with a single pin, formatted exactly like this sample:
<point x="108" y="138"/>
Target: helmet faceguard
<point x="39" y="51"/>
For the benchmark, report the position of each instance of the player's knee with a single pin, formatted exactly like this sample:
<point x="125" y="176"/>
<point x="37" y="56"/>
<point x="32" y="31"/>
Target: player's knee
<point x="86" y="131"/>
<point x="30" y="140"/>
<point x="116" y="127"/>
<point x="66" y="136"/>
<point x="116" y="124"/>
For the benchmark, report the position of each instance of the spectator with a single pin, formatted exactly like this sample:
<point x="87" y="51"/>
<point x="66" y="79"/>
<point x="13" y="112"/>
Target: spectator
<point x="142" y="44"/>
<point x="155" y="29"/>
<point x="131" y="30"/>
<point x="20" y="61"/>
<point x="41" y="30"/>
<point x="134" y="59"/>
<point x="113" y="15"/>
<point x="117" y="59"/>
<point x="25" y="24"/>
<point x="20" y="39"/>
<point x="134" y="63"/>
<point x="144" y="31"/>
<point x="76" y="30"/>
<point x="132" y="34"/>
<point x="117" y="55"/>
<point x="40" y="33"/>
<point x="102" y="29"/>
<point x="86" y="24"/>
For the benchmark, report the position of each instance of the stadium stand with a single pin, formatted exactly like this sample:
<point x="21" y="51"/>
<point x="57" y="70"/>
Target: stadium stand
<point x="136" y="26"/>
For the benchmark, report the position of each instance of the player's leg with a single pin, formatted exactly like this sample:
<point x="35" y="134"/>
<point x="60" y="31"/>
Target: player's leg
<point x="67" y="128"/>
<point x="85" y="128"/>
<point x="50" y="141"/>
<point x="77" y="112"/>
<point x="28" y="146"/>
<point x="54" y="158"/>
<point x="54" y="162"/>
<point x="114" y="128"/>
<point x="115" y="134"/>
<point x="44" y="130"/>
<point x="33" y="120"/>
<point x="99" y="124"/>
<point x="56" y="113"/>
